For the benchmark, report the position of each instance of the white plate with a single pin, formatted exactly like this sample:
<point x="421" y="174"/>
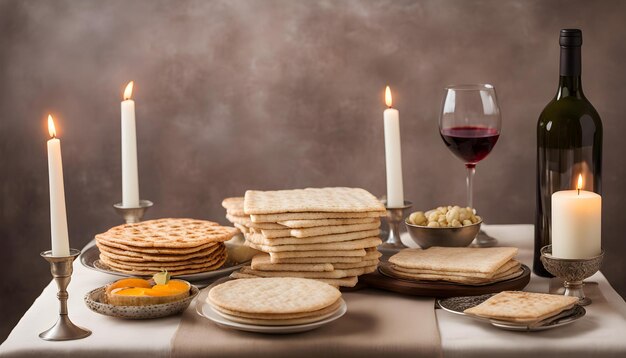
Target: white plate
<point x="205" y="310"/>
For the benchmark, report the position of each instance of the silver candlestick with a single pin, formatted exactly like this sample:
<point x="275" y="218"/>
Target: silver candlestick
<point x="61" y="268"/>
<point x="394" y="217"/>
<point x="133" y="215"/>
<point x="572" y="271"/>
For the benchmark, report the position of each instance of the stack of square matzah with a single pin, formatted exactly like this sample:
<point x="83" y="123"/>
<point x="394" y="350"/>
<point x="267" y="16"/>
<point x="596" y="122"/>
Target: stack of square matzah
<point x="464" y="265"/>
<point x="180" y="246"/>
<point x="329" y="234"/>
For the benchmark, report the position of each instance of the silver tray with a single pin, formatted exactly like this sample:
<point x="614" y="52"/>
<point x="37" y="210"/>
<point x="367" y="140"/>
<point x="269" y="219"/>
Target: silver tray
<point x="457" y="305"/>
<point x="90" y="258"/>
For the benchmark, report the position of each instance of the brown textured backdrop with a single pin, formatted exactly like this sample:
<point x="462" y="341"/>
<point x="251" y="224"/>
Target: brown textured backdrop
<point x="242" y="94"/>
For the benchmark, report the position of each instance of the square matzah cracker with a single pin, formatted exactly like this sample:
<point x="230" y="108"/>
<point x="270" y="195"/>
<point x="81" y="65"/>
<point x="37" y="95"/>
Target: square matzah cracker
<point x="523" y="307"/>
<point x="311" y="200"/>
<point x="457" y="259"/>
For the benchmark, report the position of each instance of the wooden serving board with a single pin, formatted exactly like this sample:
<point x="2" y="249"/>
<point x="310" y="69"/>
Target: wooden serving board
<point x="381" y="279"/>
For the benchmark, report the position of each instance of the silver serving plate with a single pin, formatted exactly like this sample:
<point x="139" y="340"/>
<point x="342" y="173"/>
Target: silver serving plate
<point x="457" y="305"/>
<point x="90" y="258"/>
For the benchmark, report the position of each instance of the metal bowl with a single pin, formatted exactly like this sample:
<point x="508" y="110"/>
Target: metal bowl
<point x="426" y="237"/>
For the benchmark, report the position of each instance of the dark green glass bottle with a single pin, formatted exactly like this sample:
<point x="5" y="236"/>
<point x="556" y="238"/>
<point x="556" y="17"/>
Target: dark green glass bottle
<point x="569" y="142"/>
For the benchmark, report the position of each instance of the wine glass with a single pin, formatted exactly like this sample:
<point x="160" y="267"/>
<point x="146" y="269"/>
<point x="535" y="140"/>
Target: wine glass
<point x="470" y="125"/>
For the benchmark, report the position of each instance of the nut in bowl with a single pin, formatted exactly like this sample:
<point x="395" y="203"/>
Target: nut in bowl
<point x="448" y="226"/>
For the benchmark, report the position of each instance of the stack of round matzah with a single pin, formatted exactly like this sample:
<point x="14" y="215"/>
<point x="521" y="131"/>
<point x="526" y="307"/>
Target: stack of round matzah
<point x="180" y="246"/>
<point x="274" y="301"/>
<point x="462" y="265"/>
<point x="328" y="234"/>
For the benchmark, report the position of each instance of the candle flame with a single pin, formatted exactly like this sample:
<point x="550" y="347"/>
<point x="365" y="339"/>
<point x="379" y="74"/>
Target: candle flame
<point x="51" y="129"/>
<point x="388" y="100"/>
<point x="128" y="92"/>
<point x="580" y="183"/>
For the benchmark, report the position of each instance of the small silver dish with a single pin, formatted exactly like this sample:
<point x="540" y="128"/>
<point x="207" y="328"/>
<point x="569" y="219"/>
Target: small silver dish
<point x="458" y="305"/>
<point x="96" y="301"/>
<point x="426" y="237"/>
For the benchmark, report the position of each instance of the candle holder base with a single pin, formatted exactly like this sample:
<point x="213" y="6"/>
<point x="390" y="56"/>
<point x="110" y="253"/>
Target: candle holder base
<point x="572" y="271"/>
<point x="133" y="215"/>
<point x="64" y="329"/>
<point x="394" y="218"/>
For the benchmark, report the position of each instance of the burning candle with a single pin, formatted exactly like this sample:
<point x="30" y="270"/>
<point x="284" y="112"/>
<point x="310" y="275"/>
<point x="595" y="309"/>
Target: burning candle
<point x="58" y="217"/>
<point x="393" y="155"/>
<point x="576" y="223"/>
<point x="130" y="176"/>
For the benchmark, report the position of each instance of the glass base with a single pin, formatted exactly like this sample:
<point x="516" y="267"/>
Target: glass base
<point x="484" y="240"/>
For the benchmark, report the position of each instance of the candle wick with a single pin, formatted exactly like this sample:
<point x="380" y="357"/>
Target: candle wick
<point x="578" y="189"/>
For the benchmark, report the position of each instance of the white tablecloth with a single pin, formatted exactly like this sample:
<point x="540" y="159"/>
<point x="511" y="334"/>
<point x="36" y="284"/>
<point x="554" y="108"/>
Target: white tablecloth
<point x="601" y="333"/>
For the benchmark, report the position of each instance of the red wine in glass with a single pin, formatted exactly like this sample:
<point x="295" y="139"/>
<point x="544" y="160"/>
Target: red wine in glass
<point x="471" y="144"/>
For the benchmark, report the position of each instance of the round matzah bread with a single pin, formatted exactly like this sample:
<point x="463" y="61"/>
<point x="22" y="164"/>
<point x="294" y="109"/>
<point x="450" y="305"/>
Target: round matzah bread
<point x="275" y="322"/>
<point x="168" y="233"/>
<point x="234" y="206"/>
<point x="195" y="261"/>
<point x="154" y="250"/>
<point x="161" y="266"/>
<point x="140" y="257"/>
<point x="278" y="316"/>
<point x="182" y="271"/>
<point x="274" y="295"/>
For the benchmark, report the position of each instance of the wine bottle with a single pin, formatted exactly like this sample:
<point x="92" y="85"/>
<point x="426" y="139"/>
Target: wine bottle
<point x="569" y="142"/>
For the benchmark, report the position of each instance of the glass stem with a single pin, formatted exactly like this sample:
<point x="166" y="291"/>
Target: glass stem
<point x="471" y="170"/>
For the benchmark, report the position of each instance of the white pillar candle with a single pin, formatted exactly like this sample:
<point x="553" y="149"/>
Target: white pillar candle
<point x="393" y="155"/>
<point x="576" y="223"/>
<point x="130" y="175"/>
<point x="58" y="217"/>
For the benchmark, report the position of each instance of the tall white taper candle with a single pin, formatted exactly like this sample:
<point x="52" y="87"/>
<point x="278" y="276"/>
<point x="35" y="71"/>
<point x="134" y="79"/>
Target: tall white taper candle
<point x="58" y="216"/>
<point x="393" y="154"/>
<point x="130" y="175"/>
